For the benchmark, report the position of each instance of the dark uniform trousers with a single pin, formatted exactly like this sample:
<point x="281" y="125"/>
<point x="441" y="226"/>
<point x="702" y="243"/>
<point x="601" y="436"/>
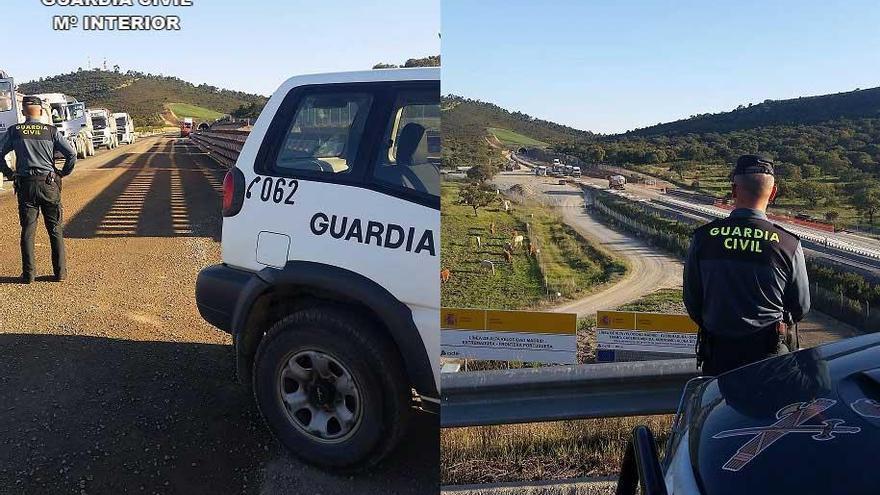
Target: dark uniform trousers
<point x="723" y="353"/>
<point x="35" y="195"/>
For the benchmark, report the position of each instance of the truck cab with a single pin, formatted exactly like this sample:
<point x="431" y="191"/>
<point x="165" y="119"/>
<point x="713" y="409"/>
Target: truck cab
<point x="124" y="128"/>
<point x="330" y="251"/>
<point x="105" y="133"/>
<point x="68" y="116"/>
<point x="805" y="422"/>
<point x="575" y="171"/>
<point x="186" y="127"/>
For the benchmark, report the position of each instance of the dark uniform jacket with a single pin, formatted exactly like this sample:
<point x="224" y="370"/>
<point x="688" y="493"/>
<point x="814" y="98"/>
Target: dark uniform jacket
<point x="34" y="144"/>
<point x="742" y="272"/>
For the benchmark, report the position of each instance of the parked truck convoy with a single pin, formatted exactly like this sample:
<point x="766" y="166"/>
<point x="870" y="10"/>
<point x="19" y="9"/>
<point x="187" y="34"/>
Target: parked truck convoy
<point x="124" y="128"/>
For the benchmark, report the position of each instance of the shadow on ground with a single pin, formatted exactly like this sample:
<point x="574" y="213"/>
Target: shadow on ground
<point x="171" y="190"/>
<point x="111" y="416"/>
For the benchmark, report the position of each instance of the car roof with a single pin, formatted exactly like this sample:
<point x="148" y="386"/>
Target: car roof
<point x="376" y="75"/>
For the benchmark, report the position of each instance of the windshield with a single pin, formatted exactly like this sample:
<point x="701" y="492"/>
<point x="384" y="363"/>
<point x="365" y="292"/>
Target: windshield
<point x="120" y="121"/>
<point x="6" y="96"/>
<point x="99" y="122"/>
<point x="77" y="110"/>
<point x="58" y="113"/>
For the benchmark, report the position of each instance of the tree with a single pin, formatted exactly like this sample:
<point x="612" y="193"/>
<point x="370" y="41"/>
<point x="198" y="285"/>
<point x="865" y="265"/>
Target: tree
<point x="680" y="168"/>
<point x="476" y="195"/>
<point x="832" y="215"/>
<point x="867" y="200"/>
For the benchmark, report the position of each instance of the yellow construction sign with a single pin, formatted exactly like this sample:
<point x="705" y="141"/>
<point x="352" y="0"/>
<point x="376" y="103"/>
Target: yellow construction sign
<point x="528" y="336"/>
<point x="633" y="335"/>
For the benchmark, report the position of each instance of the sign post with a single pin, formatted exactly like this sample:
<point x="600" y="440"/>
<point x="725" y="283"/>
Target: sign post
<point x="634" y="336"/>
<point x="526" y="336"/>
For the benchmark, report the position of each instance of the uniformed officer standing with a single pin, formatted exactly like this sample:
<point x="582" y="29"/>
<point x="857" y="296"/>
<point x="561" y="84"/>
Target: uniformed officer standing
<point x="37" y="183"/>
<point x="745" y="276"/>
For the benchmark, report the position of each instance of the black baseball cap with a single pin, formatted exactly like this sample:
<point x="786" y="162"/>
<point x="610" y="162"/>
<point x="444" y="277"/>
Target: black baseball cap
<point x="753" y="164"/>
<point x="31" y="100"/>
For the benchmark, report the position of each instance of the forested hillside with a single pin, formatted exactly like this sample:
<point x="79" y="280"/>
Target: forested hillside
<point x="827" y="151"/>
<point x="864" y="103"/>
<point x="470" y="125"/>
<point x="144" y="96"/>
<point x="827" y="148"/>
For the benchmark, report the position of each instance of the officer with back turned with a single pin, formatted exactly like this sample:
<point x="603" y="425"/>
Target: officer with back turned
<point x="37" y="183"/>
<point x="745" y="279"/>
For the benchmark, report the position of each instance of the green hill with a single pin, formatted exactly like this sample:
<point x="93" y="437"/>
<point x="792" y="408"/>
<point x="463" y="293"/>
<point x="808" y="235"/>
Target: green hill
<point x="861" y="103"/>
<point x="145" y="96"/>
<point x="826" y="149"/>
<point x="469" y="126"/>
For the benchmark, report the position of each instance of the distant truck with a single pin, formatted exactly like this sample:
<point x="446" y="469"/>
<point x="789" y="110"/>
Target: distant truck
<point x="540" y="170"/>
<point x="124" y="128"/>
<point x="186" y="127"/>
<point x="69" y="116"/>
<point x="575" y="171"/>
<point x="105" y="131"/>
<point x="617" y="182"/>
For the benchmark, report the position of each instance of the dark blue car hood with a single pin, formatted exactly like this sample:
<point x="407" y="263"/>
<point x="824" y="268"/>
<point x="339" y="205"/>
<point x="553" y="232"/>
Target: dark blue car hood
<point x="806" y="422"/>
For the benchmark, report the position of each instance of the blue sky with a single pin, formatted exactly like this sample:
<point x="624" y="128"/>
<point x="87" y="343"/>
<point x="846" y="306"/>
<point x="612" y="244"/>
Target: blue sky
<point x="267" y="40"/>
<point x="610" y="66"/>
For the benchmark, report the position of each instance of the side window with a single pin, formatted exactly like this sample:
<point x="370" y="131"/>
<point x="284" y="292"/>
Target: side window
<point x="325" y="133"/>
<point x="410" y="157"/>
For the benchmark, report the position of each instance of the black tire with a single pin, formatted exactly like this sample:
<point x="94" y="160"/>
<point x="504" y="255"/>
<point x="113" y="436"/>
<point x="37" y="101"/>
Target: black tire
<point x="369" y="358"/>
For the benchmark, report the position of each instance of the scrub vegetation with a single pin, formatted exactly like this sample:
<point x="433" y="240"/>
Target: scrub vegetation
<point x="143" y="96"/>
<point x="566" y="263"/>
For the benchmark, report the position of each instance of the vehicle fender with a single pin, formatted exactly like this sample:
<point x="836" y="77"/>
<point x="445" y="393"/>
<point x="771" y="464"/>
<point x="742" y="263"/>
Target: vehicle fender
<point x="344" y="285"/>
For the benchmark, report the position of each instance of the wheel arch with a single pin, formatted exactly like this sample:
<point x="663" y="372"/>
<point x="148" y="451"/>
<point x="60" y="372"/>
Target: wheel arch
<point x="275" y="293"/>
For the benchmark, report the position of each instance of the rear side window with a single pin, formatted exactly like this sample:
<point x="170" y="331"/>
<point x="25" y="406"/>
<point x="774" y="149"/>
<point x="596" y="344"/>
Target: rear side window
<point x="410" y="157"/>
<point x="325" y="133"/>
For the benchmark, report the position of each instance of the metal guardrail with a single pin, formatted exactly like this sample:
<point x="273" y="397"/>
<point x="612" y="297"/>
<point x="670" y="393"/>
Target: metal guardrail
<point x="224" y="145"/>
<point x="564" y="392"/>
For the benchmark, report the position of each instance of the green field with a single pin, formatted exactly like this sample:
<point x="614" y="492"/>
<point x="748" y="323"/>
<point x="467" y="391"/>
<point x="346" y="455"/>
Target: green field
<point x="183" y="110"/>
<point x="510" y="138"/>
<point x="567" y="263"/>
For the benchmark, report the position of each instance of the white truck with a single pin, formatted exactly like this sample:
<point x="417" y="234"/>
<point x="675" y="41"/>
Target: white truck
<point x="540" y="170"/>
<point x="124" y="128"/>
<point x="105" y="133"/>
<point x="575" y="171"/>
<point x="617" y="182"/>
<point x="69" y="116"/>
<point x="330" y="253"/>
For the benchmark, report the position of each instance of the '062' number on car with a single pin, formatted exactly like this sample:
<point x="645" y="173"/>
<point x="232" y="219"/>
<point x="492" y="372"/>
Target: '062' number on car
<point x="275" y="189"/>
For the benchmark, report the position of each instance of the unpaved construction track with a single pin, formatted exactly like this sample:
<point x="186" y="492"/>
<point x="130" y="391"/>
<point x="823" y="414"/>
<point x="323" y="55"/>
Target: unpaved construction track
<point x="649" y="269"/>
<point x="111" y="382"/>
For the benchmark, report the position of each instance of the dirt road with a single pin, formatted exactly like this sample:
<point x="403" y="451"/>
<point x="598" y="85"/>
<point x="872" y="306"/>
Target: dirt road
<point x="112" y="383"/>
<point x="650" y="269"/>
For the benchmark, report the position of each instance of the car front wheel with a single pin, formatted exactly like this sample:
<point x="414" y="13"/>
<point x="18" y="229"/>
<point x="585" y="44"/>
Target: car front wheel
<point x="332" y="388"/>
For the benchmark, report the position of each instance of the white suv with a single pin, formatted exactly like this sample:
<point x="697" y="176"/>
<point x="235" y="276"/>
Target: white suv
<point x="329" y="279"/>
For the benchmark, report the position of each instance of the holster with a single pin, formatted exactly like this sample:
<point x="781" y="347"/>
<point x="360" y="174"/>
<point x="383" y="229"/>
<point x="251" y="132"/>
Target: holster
<point x="702" y="348"/>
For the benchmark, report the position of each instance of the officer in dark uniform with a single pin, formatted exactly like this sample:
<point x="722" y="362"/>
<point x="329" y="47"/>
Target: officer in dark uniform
<point x="745" y="278"/>
<point x="37" y="183"/>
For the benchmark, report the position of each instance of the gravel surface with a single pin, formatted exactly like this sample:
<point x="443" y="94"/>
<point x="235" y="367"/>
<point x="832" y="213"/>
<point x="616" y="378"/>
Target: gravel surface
<point x="111" y="382"/>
